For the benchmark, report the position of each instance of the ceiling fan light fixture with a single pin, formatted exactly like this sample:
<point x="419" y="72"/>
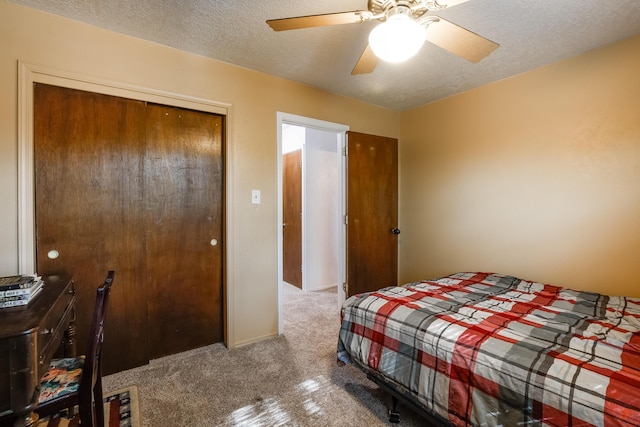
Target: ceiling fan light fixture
<point x="397" y="39"/>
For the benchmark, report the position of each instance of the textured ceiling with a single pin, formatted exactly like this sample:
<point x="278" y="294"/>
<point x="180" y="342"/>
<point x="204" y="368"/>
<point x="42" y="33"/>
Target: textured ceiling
<point x="530" y="34"/>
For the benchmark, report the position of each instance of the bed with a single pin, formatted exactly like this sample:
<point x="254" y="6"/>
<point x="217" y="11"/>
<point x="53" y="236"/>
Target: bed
<point x="485" y="349"/>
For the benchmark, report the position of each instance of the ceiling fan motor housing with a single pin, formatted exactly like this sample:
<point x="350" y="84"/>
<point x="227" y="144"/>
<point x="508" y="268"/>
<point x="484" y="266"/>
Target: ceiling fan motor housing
<point x="412" y="8"/>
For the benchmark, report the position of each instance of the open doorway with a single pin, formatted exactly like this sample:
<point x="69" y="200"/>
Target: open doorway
<point x="311" y="244"/>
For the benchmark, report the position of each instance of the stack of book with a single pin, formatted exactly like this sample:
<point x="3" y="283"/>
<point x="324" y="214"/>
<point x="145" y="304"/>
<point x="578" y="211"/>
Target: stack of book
<point x="19" y="290"/>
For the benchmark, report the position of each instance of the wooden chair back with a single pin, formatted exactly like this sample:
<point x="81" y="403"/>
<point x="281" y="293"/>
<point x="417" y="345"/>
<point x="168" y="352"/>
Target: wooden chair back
<point x="90" y="390"/>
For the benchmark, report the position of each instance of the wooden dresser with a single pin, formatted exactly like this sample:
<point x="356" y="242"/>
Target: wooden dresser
<point x="29" y="337"/>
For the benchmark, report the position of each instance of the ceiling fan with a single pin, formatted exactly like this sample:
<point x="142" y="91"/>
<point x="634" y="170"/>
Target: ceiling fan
<point x="406" y="24"/>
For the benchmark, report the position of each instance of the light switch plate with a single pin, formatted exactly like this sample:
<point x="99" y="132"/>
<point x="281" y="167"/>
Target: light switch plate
<point x="255" y="197"/>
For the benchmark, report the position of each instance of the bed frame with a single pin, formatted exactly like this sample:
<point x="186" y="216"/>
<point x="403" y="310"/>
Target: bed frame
<point x="400" y="394"/>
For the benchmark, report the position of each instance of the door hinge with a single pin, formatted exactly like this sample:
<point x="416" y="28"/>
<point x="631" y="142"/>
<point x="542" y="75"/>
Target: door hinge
<point x="345" y="150"/>
<point x="345" y="219"/>
<point x="344" y="287"/>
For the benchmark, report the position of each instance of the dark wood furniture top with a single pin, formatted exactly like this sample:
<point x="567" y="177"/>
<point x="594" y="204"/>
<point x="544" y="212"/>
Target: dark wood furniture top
<point x="29" y="337"/>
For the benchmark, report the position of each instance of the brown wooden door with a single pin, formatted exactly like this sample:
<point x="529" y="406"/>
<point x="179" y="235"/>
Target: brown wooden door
<point x="183" y="195"/>
<point x="112" y="175"/>
<point x="86" y="148"/>
<point x="372" y="212"/>
<point x="292" y="218"/>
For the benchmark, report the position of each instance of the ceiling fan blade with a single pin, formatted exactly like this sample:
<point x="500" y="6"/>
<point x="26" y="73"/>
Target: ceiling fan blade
<point x="459" y="41"/>
<point x="316" y="20"/>
<point x="367" y="62"/>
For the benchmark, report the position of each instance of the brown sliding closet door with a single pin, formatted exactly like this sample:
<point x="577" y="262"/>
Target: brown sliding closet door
<point x="88" y="181"/>
<point x="136" y="188"/>
<point x="183" y="182"/>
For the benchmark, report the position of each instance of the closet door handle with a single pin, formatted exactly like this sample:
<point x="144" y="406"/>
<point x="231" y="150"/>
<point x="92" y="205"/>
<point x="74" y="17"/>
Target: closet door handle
<point x="53" y="254"/>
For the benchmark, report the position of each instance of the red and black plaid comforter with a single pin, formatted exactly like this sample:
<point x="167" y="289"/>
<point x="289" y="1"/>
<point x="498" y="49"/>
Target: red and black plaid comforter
<point x="485" y="349"/>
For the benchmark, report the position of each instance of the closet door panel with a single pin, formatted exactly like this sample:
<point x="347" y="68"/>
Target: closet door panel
<point x="88" y="187"/>
<point x="183" y="202"/>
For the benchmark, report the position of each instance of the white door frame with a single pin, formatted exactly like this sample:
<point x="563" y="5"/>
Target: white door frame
<point x="340" y="130"/>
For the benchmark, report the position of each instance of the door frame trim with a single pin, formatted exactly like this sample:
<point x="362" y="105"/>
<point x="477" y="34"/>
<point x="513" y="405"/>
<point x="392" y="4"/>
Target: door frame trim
<point x="308" y="122"/>
<point x="28" y="74"/>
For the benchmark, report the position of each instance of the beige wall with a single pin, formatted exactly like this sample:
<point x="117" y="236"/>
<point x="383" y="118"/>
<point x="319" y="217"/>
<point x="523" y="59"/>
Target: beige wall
<point x="46" y="40"/>
<point x="536" y="176"/>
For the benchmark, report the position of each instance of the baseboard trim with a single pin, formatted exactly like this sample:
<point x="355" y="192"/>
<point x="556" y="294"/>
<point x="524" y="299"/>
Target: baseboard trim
<point x="255" y="340"/>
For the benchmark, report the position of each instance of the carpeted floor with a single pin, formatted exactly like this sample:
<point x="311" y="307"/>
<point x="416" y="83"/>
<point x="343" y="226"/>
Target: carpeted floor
<point x="291" y="380"/>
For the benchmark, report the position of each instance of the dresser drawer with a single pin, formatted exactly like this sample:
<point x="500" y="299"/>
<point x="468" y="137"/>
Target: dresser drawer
<point x="29" y="336"/>
<point x="53" y="326"/>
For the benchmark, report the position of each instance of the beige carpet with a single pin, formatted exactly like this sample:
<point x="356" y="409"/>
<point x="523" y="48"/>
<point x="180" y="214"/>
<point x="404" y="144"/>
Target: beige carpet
<point x="291" y="380"/>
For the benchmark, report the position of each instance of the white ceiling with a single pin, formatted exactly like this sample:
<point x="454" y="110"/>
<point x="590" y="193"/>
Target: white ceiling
<point x="530" y="34"/>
